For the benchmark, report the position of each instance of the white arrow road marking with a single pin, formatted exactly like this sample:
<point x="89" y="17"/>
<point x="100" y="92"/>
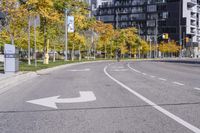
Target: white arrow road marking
<point x="82" y="70"/>
<point x="85" y="96"/>
<point x="154" y="105"/>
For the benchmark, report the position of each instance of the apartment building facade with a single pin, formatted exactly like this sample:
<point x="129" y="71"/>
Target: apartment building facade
<point x="178" y="18"/>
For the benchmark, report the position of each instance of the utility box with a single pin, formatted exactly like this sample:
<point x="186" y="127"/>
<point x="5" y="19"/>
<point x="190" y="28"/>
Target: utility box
<point x="11" y="59"/>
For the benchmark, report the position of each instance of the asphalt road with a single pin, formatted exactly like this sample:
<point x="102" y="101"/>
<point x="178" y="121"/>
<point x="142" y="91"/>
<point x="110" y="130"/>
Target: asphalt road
<point x="119" y="97"/>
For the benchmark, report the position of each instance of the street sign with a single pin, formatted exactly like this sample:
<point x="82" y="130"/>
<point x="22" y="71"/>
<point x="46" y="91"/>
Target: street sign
<point x="11" y="55"/>
<point x="36" y="20"/>
<point x="70" y="23"/>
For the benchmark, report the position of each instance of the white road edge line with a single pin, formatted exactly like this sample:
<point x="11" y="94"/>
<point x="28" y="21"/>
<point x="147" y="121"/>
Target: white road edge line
<point x="162" y="110"/>
<point x="120" y="70"/>
<point x="81" y="70"/>
<point x="133" y="69"/>
<point x="162" y="79"/>
<point x="152" y="76"/>
<point x="178" y="83"/>
<point x="197" y="88"/>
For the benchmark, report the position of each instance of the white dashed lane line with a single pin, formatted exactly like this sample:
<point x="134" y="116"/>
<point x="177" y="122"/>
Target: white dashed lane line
<point x="133" y="69"/>
<point x="197" y="88"/>
<point x="161" y="79"/>
<point x="178" y="83"/>
<point x="154" y="105"/>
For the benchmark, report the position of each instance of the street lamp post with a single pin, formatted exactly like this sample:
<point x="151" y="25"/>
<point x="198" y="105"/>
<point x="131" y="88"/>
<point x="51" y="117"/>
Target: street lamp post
<point x="139" y="30"/>
<point x="35" y="41"/>
<point x="156" y="39"/>
<point x="117" y="20"/>
<point x="150" y="48"/>
<point x="180" y="40"/>
<point x="180" y="30"/>
<point x="66" y="34"/>
<point x="29" y="40"/>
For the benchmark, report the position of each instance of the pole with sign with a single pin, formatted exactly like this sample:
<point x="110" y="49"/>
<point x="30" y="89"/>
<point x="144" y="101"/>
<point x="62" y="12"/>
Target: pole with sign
<point x="66" y="36"/>
<point x="69" y="27"/>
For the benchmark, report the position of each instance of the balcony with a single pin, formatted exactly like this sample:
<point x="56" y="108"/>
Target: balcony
<point x="192" y="3"/>
<point x="192" y="30"/>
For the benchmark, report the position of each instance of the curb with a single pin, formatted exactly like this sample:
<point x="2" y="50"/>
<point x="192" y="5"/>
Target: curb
<point x="186" y="61"/>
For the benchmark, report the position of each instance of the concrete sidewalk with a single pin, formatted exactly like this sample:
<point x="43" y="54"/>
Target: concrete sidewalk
<point x="8" y="81"/>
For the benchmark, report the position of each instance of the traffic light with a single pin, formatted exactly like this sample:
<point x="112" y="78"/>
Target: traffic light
<point x="166" y="36"/>
<point x="187" y="39"/>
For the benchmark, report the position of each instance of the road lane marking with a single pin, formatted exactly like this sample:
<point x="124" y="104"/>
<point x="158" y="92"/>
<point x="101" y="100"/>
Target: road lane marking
<point x="144" y="73"/>
<point x="162" y="110"/>
<point x="133" y="69"/>
<point x="197" y="88"/>
<point x="85" y="96"/>
<point x="162" y="79"/>
<point x="120" y="70"/>
<point x="118" y="67"/>
<point x="152" y="76"/>
<point x="81" y="70"/>
<point x="178" y="83"/>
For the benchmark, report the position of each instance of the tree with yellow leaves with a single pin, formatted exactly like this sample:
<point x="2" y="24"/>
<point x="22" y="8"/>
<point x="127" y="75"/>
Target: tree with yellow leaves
<point x="169" y="48"/>
<point x="15" y="18"/>
<point x="105" y="32"/>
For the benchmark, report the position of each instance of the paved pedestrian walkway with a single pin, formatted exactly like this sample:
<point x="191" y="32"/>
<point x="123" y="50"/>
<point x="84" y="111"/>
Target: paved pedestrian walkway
<point x="4" y="76"/>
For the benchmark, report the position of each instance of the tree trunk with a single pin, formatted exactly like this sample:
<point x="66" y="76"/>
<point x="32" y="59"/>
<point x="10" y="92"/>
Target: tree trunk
<point x="46" y="56"/>
<point x="105" y="52"/>
<point x="80" y="58"/>
<point x="95" y="49"/>
<point x="54" y="53"/>
<point x="72" y="54"/>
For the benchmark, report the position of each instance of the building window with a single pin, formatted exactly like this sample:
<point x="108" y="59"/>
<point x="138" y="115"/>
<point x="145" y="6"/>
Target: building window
<point x="151" y="8"/>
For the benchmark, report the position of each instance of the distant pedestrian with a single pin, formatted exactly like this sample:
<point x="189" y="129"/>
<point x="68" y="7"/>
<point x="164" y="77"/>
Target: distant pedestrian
<point x="118" y="54"/>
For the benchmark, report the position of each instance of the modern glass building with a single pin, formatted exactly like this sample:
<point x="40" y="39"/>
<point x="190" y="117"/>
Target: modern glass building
<point x="178" y="18"/>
